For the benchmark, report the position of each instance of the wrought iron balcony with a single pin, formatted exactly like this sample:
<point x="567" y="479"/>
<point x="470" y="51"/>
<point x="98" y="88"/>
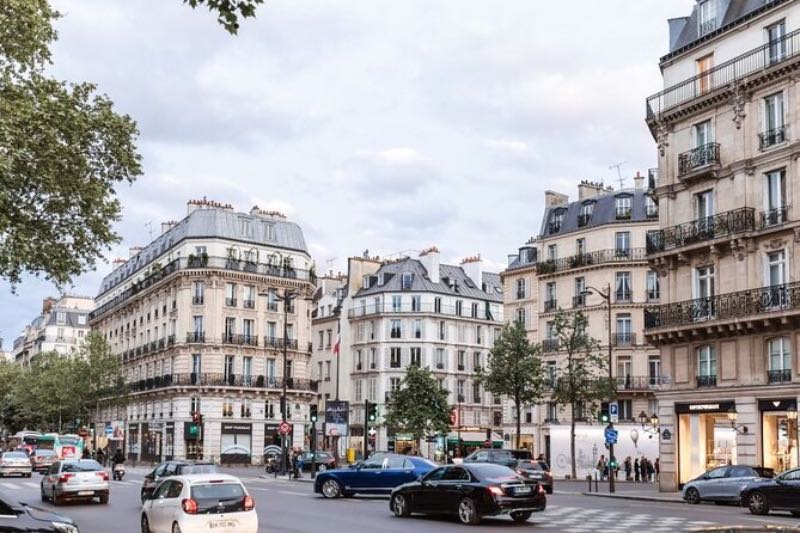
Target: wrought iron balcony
<point x="623" y="339"/>
<point x="579" y="301"/>
<point x="598" y="257"/>
<point x="550" y="345"/>
<point x="550" y="305"/>
<point x="639" y="383"/>
<point x="779" y="376"/>
<point x="772" y="137"/>
<point x="230" y="302"/>
<point x="724" y="306"/>
<point x="553" y="227"/>
<point x="196" y="336"/>
<point x="623" y="297"/>
<point x="725" y="74"/>
<point x="197" y="300"/>
<point x="222" y="380"/>
<point x="773" y="217"/>
<point x="249" y="304"/>
<point x="701" y="230"/>
<point x="700" y="157"/>
<point x="707" y="381"/>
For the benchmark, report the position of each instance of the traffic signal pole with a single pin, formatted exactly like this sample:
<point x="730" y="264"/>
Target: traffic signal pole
<point x="366" y="428"/>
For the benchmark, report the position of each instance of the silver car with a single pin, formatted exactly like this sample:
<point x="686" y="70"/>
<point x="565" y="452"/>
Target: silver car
<point x="15" y="463"/>
<point x="724" y="484"/>
<point x="75" y="479"/>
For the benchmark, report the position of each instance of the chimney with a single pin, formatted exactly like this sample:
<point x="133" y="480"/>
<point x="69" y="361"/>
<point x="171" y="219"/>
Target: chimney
<point x="473" y="268"/>
<point x="133" y="250"/>
<point x="205" y="203"/>
<point x="638" y="181"/>
<point x="118" y="262"/>
<point x="166" y="226"/>
<point x="357" y="268"/>
<point x="552" y="198"/>
<point x="589" y="189"/>
<point x="430" y="260"/>
<point x="676" y="27"/>
<point x="47" y="305"/>
<point x="263" y="213"/>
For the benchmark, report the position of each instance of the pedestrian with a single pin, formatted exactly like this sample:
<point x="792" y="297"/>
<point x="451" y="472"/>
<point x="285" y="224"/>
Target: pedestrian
<point x="86" y="454"/>
<point x="636" y="470"/>
<point x="295" y="464"/>
<point x="602" y="467"/>
<point x="628" y="467"/>
<point x="99" y="456"/>
<point x="657" y="466"/>
<point x="651" y="472"/>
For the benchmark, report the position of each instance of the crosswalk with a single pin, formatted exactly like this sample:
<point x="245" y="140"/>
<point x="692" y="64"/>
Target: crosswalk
<point x="586" y="520"/>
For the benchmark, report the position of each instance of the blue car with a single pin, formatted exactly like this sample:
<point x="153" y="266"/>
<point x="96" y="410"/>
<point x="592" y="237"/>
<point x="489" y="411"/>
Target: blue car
<point x="378" y="475"/>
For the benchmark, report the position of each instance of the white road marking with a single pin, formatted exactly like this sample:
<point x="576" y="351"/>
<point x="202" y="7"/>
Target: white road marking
<point x="31" y="484"/>
<point x="291" y="493"/>
<point x="11" y="486"/>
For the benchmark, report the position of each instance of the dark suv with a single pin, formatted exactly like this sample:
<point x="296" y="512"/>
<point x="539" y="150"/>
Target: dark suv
<point x="18" y="517"/>
<point x="507" y="458"/>
<point x="174" y="468"/>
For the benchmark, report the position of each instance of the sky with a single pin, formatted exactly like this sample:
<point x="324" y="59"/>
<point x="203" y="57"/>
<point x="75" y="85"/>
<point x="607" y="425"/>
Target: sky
<point x="375" y="124"/>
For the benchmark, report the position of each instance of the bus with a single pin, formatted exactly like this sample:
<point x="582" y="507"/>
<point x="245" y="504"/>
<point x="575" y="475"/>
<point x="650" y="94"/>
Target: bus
<point x="26" y="439"/>
<point x="66" y="446"/>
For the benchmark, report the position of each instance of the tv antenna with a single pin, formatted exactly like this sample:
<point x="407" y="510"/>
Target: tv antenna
<point x="618" y="166"/>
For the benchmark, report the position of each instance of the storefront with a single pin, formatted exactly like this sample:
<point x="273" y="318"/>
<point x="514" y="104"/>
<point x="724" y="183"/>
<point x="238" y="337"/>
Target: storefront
<point x="706" y="438"/>
<point x="778" y="434"/>
<point x="169" y="441"/>
<point x="236" y="443"/>
<point x="133" y="442"/>
<point x="151" y="442"/>
<point x="402" y="443"/>
<point x="471" y="441"/>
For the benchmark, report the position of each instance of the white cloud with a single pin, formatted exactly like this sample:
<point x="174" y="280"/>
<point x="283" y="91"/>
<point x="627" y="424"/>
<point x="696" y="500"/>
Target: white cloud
<point x="393" y="156"/>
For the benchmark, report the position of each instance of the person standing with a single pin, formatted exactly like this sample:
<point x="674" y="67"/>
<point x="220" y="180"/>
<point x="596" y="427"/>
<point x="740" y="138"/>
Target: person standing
<point x="636" y="470"/>
<point x="628" y="467"/>
<point x="651" y="472"/>
<point x="602" y="467"/>
<point x="657" y="466"/>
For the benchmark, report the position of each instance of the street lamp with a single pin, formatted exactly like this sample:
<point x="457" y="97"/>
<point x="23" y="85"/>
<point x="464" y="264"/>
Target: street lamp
<point x="732" y="416"/>
<point x="606" y="295"/>
<point x="652" y="420"/>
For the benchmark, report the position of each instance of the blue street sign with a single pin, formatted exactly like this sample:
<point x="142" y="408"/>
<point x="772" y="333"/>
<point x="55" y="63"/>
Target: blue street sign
<point x="109" y="430"/>
<point x="611" y="435"/>
<point x="613" y="409"/>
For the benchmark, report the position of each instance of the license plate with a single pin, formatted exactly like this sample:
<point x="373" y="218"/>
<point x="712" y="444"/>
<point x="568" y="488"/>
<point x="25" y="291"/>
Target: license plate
<point x="522" y="490"/>
<point x="85" y="493"/>
<point x="218" y="524"/>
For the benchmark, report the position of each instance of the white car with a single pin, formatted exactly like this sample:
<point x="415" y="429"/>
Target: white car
<point x="199" y="502"/>
<point x="75" y="479"/>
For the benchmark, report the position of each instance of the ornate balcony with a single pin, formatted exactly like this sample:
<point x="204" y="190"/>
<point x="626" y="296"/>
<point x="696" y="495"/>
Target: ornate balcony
<point x="779" y="376"/>
<point x="197" y="300"/>
<point x="640" y="383"/>
<point x="702" y="157"/>
<point x="771" y="137"/>
<point x="598" y="257"/>
<point x="550" y="345"/>
<point x="222" y="380"/>
<point x="550" y="305"/>
<point x="706" y="381"/>
<point x="623" y="339"/>
<point x="701" y="230"/>
<point x="579" y="301"/>
<point x="249" y="304"/>
<point x="774" y="217"/>
<point x="195" y="337"/>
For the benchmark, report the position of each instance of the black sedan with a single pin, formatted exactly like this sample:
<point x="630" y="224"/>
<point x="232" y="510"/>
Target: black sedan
<point x="781" y="493"/>
<point x="470" y="492"/>
<point x="538" y="471"/>
<point x="20" y="517"/>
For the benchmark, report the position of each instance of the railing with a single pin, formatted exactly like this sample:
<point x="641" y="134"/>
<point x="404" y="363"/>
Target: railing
<point x="640" y="382"/>
<point x="197" y="300"/>
<point x="249" y="304"/>
<point x="230" y="302"/>
<point x="706" y="381"/>
<point x="702" y="229"/>
<point x="597" y="257"/>
<point x="623" y="339"/>
<point x="652" y="178"/>
<point x="725" y="74"/>
<point x="553" y="227"/>
<point x="623" y="297"/>
<point x="550" y="345"/>
<point x="579" y="301"/>
<point x="771" y="137"/>
<point x="702" y="156"/>
<point x="550" y="305"/>
<point x="779" y="376"/>
<point x="773" y="217"/>
<point x="184" y="263"/>
<point x="724" y="306"/>
<point x="583" y="219"/>
<point x="623" y="214"/>
<point x="387" y="308"/>
<point x="222" y="380"/>
<point x="240" y="339"/>
<point x="195" y="337"/>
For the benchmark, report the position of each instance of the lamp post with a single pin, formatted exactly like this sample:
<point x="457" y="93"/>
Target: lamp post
<point x="606" y="295"/>
<point x="732" y="417"/>
<point x="652" y="420"/>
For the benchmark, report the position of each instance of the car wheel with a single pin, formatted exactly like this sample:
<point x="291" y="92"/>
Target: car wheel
<point x="42" y="494"/>
<point x="549" y="489"/>
<point x="176" y="528"/>
<point x="322" y="468"/>
<point x="692" y="495"/>
<point x="331" y="489"/>
<point x="145" y="524"/>
<point x="758" y="503"/>
<point x="521" y="516"/>
<point x="104" y="499"/>
<point x="400" y="506"/>
<point x="468" y="512"/>
<point x="56" y="499"/>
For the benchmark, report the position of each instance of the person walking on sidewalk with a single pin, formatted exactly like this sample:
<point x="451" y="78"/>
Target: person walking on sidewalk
<point x="651" y="472"/>
<point x="602" y="467"/>
<point x="636" y="470"/>
<point x="628" y="467"/>
<point x="657" y="466"/>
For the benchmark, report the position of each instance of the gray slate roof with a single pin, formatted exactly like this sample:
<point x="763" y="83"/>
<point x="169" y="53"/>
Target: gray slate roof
<point x="71" y="318"/>
<point x="604" y="211"/>
<point x="422" y="283"/>
<point x="729" y="12"/>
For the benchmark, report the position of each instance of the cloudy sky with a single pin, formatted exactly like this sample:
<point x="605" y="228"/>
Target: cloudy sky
<point x="376" y="124"/>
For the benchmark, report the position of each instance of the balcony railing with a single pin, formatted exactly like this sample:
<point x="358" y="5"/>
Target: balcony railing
<point x="197" y="300"/>
<point x="597" y="257"/>
<point x="249" y="304"/>
<point x="773" y="217"/>
<point x="701" y="230"/>
<point x="724" y="306"/>
<point x="550" y="305"/>
<point x="724" y="74"/>
<point x="370" y="310"/>
<point x="240" y="339"/>
<point x="779" y="376"/>
<point x="583" y="219"/>
<point x="772" y="137"/>
<point x="623" y="297"/>
<point x="640" y="382"/>
<point x="579" y="301"/>
<point x="195" y="336"/>
<point x="184" y="263"/>
<point x="553" y="227"/>
<point x="222" y="380"/>
<point x="623" y="339"/>
<point x="706" y="381"/>
<point x="230" y="302"/>
<point x="702" y="156"/>
<point x="550" y="345"/>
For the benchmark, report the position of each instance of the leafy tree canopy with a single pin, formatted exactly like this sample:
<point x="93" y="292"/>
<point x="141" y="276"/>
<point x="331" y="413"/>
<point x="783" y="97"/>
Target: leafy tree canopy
<point x="420" y="405"/>
<point x="229" y="11"/>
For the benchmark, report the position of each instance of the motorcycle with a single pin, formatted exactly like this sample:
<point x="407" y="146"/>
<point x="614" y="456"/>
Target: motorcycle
<point x="272" y="464"/>
<point x="119" y="472"/>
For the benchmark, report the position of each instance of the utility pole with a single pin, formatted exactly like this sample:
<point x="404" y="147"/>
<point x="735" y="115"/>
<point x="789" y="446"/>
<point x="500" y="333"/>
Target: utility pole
<point x="366" y="428"/>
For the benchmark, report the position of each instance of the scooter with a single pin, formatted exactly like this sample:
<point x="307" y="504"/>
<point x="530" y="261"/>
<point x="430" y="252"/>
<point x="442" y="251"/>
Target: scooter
<point x="119" y="471"/>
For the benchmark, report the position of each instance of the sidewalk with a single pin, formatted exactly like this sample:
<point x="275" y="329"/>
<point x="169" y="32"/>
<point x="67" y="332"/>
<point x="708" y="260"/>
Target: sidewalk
<point x="625" y="490"/>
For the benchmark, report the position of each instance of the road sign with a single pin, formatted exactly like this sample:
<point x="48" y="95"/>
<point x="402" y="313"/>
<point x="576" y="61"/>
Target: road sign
<point x="284" y="428"/>
<point x="611" y="435"/>
<point x="487" y="444"/>
<point x="613" y="412"/>
<point x="109" y="430"/>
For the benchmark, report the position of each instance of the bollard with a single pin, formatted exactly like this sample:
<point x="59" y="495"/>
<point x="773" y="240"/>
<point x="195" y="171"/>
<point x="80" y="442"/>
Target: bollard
<point x="596" y="480"/>
<point x="589" y="479"/>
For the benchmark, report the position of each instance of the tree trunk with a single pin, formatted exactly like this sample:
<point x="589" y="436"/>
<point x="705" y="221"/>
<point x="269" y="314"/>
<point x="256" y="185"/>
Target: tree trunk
<point x="572" y="442"/>
<point x="519" y="424"/>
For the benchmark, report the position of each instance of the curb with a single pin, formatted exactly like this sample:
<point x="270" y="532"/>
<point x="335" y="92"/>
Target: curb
<point x="284" y="478"/>
<point x="633" y="497"/>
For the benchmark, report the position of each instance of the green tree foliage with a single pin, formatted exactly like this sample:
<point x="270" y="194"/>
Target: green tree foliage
<point x="581" y="379"/>
<point x="420" y="405"/>
<point x="63" y="150"/>
<point x="229" y="11"/>
<point x="514" y="369"/>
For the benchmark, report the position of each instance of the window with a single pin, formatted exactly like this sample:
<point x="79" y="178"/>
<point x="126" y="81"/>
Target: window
<point x="196" y="364"/>
<point x="522" y="292"/>
<point x="249" y="296"/>
<point x="780" y="354"/>
<point x="395" y="332"/>
<point x="460" y="390"/>
<point x="359" y="362"/>
<point x="373" y="359"/>
<point x="704" y="292"/>
<point x="624" y="336"/>
<point x="358" y="393"/>
<point x="776" y="268"/>
<point x="442" y="330"/>
<point x="321" y="339"/>
<point x="773" y="120"/>
<point x="624" y="372"/>
<point x="552" y="252"/>
<point x="586" y="213"/>
<point x="381" y="279"/>
<point x="706" y="362"/>
<point x="776" y="38"/>
<point x="394" y="357"/>
<point x="246" y="227"/>
<point x="459" y="308"/>
<point x="397" y="304"/>
<point x="476" y="360"/>
<point x="230" y="294"/>
<point x="230" y="327"/>
<point x="707" y="20"/>
<point x="394" y="385"/>
<point x="461" y="356"/>
<point x="229" y="362"/>
<point x="268" y="231"/>
<point x="580" y="297"/>
<point x="198" y="324"/>
<point x="437" y="305"/>
<point x="365" y="282"/>
<point x="552" y="412"/>
<point x="774" y="198"/>
<point x="61" y="317"/>
<point x="521" y="318"/>
<point x="556" y="221"/>
<point x="479" y="335"/>
<point x="703" y="134"/>
<point x="416" y="303"/>
<point x="654" y="370"/>
<point x="622" y="206"/>
<point x="623" y="286"/>
<point x="580" y="246"/>
<point x="416" y="356"/>
<point x="550" y="296"/>
<point x="248" y="330"/>
<point x="653" y="286"/>
<point x="440" y="358"/>
<point x="476" y="393"/>
<point x="417" y="329"/>
<point x="625" y="409"/>
<point x="327" y="370"/>
<point x="406" y="280"/>
<point x="623" y="244"/>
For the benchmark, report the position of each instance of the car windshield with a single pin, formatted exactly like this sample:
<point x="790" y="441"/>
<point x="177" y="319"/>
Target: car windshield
<point x="81" y="466"/>
<point x="45" y="453"/>
<point x="521" y="454"/>
<point x="14" y="455"/>
<point x="530" y="465"/>
<point x="492" y="472"/>
<point x="69" y="441"/>
<point x="198" y="469"/>
<point x="218" y="497"/>
<point x="768" y="473"/>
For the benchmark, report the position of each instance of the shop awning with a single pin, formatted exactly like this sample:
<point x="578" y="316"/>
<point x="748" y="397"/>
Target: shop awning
<point x="473" y="438"/>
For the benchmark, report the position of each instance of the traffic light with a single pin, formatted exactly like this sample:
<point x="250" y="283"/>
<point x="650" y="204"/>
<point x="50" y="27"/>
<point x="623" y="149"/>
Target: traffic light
<point x="314" y="414"/>
<point x="603" y="417"/>
<point x="373" y="412"/>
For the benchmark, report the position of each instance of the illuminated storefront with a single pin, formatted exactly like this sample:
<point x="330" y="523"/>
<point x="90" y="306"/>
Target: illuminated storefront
<point x="706" y="438"/>
<point x="779" y="433"/>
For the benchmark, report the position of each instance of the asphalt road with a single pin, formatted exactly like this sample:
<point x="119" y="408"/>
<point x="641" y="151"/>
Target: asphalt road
<point x="291" y="507"/>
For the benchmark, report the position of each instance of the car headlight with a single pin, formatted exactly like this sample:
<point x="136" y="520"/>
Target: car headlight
<point x="64" y="527"/>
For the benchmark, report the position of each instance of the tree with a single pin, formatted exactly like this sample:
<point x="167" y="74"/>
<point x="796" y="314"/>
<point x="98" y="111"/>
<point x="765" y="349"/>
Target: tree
<point x="420" y="405"/>
<point x="582" y="375"/>
<point x="514" y="369"/>
<point x="63" y="150"/>
<point x="229" y="11"/>
<point x="100" y="377"/>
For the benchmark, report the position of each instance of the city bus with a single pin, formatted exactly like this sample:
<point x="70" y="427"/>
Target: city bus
<point x="66" y="446"/>
<point x="26" y="439"/>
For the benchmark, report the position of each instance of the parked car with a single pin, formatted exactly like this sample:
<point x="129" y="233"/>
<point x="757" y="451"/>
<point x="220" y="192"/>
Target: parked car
<point x="723" y="484"/>
<point x="174" y="468"/>
<point x="42" y="460"/>
<point x="325" y="461"/>
<point x="538" y="471"/>
<point x="15" y="463"/>
<point x="496" y="456"/>
<point x="470" y="491"/>
<point x="374" y="476"/>
<point x="781" y="493"/>
<point x="75" y="479"/>
<point x="197" y="503"/>
<point x="19" y="517"/>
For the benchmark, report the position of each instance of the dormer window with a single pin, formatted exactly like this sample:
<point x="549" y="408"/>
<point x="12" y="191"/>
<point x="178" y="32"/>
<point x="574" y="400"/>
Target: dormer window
<point x="406" y="280"/>
<point x="707" y="20"/>
<point x="586" y="214"/>
<point x="622" y="206"/>
<point x="365" y="282"/>
<point x="381" y="279"/>
<point x="556" y="221"/>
